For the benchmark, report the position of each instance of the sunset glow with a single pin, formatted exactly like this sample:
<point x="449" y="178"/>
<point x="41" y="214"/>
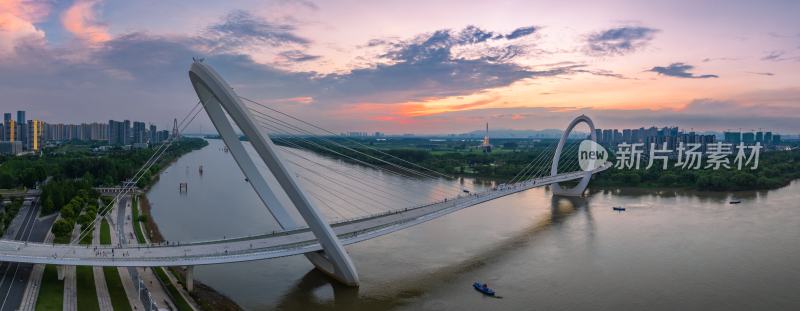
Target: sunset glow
<point x="414" y="66"/>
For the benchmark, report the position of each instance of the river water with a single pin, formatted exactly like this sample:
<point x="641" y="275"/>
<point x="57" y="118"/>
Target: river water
<point x="671" y="250"/>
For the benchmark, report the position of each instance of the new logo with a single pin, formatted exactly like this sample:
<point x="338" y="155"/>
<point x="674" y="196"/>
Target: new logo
<point x="591" y="155"/>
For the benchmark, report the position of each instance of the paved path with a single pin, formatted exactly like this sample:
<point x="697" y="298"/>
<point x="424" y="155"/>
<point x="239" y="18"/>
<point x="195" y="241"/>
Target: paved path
<point x="70" y="284"/>
<point x="131" y="289"/>
<point x="99" y="277"/>
<point x="125" y="231"/>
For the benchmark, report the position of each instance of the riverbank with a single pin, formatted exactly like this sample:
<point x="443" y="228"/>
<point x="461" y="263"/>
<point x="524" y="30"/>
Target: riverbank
<point x="775" y="169"/>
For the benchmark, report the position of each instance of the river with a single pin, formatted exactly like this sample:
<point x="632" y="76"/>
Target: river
<point x="671" y="250"/>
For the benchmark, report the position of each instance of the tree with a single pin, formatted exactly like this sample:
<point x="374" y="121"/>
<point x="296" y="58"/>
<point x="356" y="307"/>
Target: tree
<point x="68" y="211"/>
<point x="63" y="228"/>
<point x="49" y="207"/>
<point x="85" y="219"/>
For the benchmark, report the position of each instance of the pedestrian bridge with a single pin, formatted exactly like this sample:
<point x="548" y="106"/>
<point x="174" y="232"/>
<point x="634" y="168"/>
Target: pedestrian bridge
<point x="280" y="244"/>
<point x="274" y="135"/>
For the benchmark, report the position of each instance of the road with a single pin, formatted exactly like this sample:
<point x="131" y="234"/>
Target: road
<point x="14" y="276"/>
<point x="123" y="239"/>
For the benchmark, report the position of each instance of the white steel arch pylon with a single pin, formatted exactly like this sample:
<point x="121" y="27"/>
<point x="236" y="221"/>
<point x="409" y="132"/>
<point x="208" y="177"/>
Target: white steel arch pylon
<point x="218" y="98"/>
<point x="577" y="190"/>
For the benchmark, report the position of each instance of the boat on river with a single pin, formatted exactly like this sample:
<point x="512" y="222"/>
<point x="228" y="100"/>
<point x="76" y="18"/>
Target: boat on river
<point x="483" y="288"/>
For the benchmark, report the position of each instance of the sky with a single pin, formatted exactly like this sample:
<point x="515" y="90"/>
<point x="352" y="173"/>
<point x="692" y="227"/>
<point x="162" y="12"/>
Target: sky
<point x="411" y="66"/>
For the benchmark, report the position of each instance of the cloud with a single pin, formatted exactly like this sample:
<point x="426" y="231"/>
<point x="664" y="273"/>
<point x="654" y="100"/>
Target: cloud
<point x="17" y="23"/>
<point x="680" y="70"/>
<point x="80" y="20"/>
<point x="709" y="59"/>
<point x="521" y="32"/>
<point x="601" y="72"/>
<point x="132" y="75"/>
<point x="297" y="56"/>
<point x="619" y="41"/>
<point x="773" y="56"/>
<point x="778" y="56"/>
<point x="241" y="29"/>
<point x="442" y="44"/>
<point x="761" y="73"/>
<point x="303" y="3"/>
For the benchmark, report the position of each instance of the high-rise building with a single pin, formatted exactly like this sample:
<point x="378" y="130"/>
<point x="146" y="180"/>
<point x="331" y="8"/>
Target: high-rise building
<point x="20" y="117"/>
<point x="11" y="130"/>
<point x="768" y="138"/>
<point x="163" y="135"/>
<point x="99" y="131"/>
<point x="35" y="129"/>
<point x="139" y="133"/>
<point x="127" y="131"/>
<point x="153" y="134"/>
<point x="626" y="136"/>
<point x="760" y="136"/>
<point x="118" y="132"/>
<point x="607" y="137"/>
<point x="733" y="137"/>
<point x="748" y="138"/>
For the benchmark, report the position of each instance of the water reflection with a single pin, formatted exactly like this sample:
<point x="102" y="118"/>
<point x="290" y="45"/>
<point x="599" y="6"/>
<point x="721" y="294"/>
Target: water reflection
<point x="315" y="291"/>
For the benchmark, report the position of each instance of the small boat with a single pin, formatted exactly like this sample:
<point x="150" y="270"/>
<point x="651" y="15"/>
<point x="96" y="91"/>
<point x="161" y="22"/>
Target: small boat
<point x="618" y="208"/>
<point x="483" y="288"/>
<point x="735" y="201"/>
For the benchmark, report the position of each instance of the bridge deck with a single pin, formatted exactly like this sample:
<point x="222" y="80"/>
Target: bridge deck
<point x="255" y="247"/>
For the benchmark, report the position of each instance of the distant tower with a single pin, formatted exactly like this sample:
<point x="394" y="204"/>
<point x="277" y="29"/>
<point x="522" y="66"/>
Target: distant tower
<point x="175" y="133"/>
<point x="486" y="146"/>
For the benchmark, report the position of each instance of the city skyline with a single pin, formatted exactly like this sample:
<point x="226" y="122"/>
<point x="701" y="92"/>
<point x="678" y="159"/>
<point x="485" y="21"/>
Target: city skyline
<point x="32" y="135"/>
<point x="418" y="67"/>
<point x="150" y="127"/>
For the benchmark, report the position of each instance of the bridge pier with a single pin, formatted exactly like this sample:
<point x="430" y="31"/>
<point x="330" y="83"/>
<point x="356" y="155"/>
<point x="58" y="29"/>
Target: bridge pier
<point x="189" y="278"/>
<point x="61" y="269"/>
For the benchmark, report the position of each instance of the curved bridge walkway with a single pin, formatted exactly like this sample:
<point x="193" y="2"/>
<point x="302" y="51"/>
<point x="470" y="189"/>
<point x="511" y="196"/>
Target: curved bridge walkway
<point x="259" y="247"/>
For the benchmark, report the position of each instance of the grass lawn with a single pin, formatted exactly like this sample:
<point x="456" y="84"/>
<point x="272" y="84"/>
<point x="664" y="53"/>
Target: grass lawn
<point x="119" y="300"/>
<point x="137" y="228"/>
<point x="51" y="293"/>
<point x="87" y="292"/>
<point x="87" y="239"/>
<point x="105" y="233"/>
<point x="173" y="292"/>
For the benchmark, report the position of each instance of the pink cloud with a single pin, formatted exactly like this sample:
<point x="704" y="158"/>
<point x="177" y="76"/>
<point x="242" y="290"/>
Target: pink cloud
<point x="17" y="18"/>
<point x="81" y="21"/>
